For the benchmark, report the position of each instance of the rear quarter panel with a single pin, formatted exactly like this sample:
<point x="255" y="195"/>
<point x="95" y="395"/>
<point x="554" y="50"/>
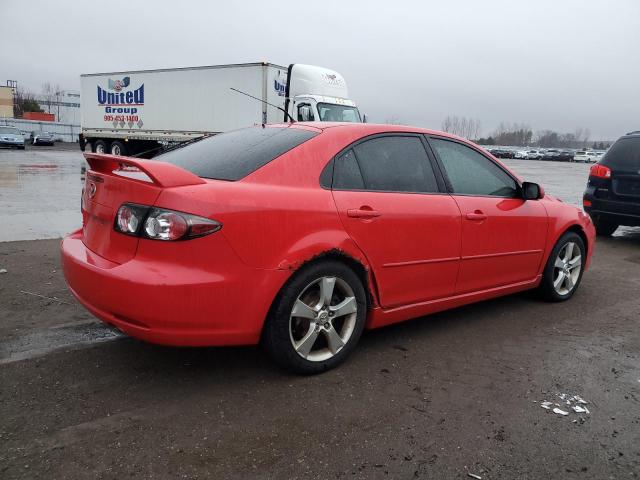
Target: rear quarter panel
<point x="277" y="217"/>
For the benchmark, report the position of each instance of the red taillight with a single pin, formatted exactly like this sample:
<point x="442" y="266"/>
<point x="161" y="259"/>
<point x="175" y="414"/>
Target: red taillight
<point x="586" y="203"/>
<point x="600" y="171"/>
<point x="162" y="224"/>
<point x="165" y="226"/>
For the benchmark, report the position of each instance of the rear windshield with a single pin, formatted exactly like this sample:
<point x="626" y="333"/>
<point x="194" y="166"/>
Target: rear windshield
<point x="234" y="155"/>
<point x="624" y="154"/>
<point x="11" y="130"/>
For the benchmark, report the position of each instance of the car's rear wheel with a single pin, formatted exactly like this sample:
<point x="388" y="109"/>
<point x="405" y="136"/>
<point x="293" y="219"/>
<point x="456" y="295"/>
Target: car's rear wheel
<point x="604" y="228"/>
<point x="563" y="271"/>
<point x="100" y="146"/>
<point x="317" y="318"/>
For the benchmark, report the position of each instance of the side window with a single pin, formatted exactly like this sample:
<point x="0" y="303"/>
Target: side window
<point x="471" y="173"/>
<point x="305" y="113"/>
<point x="395" y="164"/>
<point x="346" y="173"/>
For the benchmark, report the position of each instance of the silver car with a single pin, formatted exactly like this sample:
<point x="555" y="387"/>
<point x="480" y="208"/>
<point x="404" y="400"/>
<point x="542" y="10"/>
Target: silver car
<point x="42" y="138"/>
<point x="11" y="137"/>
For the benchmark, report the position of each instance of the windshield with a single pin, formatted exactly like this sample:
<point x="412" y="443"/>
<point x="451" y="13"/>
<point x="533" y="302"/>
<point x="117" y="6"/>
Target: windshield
<point x="330" y="112"/>
<point x="10" y="130"/>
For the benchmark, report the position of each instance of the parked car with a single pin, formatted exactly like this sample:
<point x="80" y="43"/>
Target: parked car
<point x="595" y="156"/>
<point x="565" y="156"/>
<point x="521" y="154"/>
<point x="581" y="156"/>
<point x="587" y="156"/>
<point x="501" y="153"/>
<point x="300" y="236"/>
<point x="535" y="154"/>
<point x="612" y="197"/>
<point x="42" y="138"/>
<point x="11" y="137"/>
<point x="551" y="154"/>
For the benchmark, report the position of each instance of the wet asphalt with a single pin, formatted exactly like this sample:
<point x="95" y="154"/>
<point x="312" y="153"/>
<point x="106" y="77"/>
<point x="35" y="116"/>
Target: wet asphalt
<point x="443" y="396"/>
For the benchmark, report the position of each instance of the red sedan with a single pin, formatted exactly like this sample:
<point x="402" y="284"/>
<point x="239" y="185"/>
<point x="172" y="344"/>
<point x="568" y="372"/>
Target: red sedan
<point x="301" y="236"/>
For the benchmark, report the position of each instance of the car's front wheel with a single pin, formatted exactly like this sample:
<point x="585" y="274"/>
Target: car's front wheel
<point x="563" y="271"/>
<point x="317" y="318"/>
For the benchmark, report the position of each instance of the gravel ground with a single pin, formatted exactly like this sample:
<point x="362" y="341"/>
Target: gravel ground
<point x="438" y="397"/>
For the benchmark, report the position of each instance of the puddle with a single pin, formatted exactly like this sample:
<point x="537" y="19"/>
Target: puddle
<point x="39" y="193"/>
<point x="40" y="343"/>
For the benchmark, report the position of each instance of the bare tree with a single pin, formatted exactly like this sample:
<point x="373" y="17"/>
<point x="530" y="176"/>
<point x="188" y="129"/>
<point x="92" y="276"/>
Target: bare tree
<point x="48" y="96"/>
<point x="24" y="101"/>
<point x="52" y="98"/>
<point x="58" y="96"/>
<point x="461" y="126"/>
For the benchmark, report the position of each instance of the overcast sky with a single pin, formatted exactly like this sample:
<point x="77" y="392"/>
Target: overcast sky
<point x="557" y="64"/>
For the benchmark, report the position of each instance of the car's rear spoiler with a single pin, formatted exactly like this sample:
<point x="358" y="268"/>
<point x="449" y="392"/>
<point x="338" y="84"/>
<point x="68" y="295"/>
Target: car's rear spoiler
<point x="162" y="174"/>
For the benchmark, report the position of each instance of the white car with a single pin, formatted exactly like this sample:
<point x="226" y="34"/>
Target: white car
<point x="586" y="156"/>
<point x="535" y="154"/>
<point x="521" y="154"/>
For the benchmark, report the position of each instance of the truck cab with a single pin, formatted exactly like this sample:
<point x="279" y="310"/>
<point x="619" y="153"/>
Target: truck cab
<point x="317" y="94"/>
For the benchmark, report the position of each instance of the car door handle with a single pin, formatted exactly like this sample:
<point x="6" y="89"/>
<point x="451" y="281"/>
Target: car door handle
<point x="363" y="212"/>
<point x="476" y="216"/>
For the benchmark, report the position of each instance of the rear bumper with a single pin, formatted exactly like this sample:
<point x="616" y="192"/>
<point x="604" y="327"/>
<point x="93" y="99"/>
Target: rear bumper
<point x="170" y="303"/>
<point x="623" y="213"/>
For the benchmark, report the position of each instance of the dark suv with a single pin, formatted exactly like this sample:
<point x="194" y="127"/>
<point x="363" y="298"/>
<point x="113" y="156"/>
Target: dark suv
<point x="612" y="197"/>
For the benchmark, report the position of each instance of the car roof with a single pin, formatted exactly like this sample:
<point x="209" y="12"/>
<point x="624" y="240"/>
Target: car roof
<point x="368" y="128"/>
<point x="634" y="134"/>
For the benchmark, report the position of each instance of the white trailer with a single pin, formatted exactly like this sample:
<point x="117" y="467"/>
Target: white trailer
<point x="138" y="112"/>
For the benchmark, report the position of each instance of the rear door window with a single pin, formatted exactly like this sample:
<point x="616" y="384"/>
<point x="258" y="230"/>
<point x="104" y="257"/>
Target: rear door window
<point x="346" y="173"/>
<point x="395" y="164"/>
<point x="234" y="155"/>
<point x="624" y="155"/>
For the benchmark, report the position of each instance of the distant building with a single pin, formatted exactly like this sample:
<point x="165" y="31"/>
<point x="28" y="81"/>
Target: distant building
<point x="61" y="117"/>
<point x="6" y="102"/>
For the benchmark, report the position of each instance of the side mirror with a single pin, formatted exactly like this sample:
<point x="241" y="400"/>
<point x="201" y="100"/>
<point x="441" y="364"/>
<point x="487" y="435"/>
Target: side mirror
<point x="532" y="191"/>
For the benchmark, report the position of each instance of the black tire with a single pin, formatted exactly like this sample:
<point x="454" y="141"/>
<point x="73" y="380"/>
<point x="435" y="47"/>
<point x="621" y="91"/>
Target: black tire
<point x="21" y="148"/>
<point x="547" y="288"/>
<point x="277" y="338"/>
<point x="604" y="228"/>
<point x="100" y="146"/>
<point x="118" y="148"/>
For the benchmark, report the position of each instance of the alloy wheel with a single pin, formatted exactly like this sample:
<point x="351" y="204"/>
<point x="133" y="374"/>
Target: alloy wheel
<point x="323" y="319"/>
<point x="566" y="269"/>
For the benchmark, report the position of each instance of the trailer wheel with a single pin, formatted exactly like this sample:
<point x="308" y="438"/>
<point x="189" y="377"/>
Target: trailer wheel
<point x="118" y="148"/>
<point x="99" y="146"/>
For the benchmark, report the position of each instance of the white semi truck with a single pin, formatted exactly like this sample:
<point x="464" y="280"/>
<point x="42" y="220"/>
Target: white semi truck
<point x="140" y="112"/>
